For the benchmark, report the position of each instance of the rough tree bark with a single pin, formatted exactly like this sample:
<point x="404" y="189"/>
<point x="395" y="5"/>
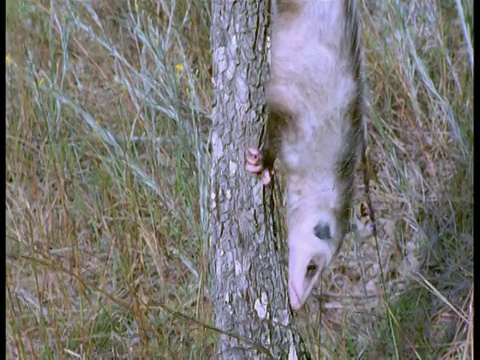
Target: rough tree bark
<point x="249" y="285"/>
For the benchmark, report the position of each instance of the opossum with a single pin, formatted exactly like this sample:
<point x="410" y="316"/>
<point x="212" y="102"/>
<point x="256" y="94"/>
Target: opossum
<point x="315" y="128"/>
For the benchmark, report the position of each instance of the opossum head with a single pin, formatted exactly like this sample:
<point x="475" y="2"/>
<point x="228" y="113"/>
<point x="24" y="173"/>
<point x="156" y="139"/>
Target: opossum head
<point x="317" y="225"/>
<point x="311" y="248"/>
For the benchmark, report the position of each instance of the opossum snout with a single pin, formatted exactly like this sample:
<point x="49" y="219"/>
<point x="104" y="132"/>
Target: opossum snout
<point x="305" y="268"/>
<point x="310" y="251"/>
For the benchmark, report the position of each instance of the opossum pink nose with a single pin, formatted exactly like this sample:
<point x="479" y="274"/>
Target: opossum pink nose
<point x="295" y="301"/>
<point x="322" y="231"/>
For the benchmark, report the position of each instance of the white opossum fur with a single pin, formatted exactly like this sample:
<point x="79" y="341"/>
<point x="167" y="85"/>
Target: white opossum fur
<point x="315" y="128"/>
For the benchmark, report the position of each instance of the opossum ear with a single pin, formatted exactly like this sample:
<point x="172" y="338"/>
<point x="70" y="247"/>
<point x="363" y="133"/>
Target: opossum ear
<point x="322" y="231"/>
<point x="305" y="266"/>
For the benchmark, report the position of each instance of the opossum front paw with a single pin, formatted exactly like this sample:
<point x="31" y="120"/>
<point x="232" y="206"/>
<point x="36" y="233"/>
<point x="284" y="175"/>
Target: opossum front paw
<point x="256" y="165"/>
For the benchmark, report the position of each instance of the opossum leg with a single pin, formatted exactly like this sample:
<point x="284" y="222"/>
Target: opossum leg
<point x="260" y="161"/>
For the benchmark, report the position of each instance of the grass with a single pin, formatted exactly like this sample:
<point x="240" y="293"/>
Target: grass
<point x="107" y="182"/>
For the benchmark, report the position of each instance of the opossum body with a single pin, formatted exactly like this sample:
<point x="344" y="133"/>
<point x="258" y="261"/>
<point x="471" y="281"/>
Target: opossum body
<point x="315" y="128"/>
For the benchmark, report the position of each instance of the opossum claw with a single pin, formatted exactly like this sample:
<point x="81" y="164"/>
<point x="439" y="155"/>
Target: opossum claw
<point x="256" y="165"/>
<point x="267" y="176"/>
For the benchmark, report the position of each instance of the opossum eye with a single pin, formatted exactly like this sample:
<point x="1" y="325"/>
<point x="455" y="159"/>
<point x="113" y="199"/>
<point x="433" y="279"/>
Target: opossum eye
<point x="322" y="231"/>
<point x="312" y="269"/>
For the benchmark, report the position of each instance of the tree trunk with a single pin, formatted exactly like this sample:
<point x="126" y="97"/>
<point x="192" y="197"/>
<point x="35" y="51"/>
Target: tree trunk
<point x="249" y="285"/>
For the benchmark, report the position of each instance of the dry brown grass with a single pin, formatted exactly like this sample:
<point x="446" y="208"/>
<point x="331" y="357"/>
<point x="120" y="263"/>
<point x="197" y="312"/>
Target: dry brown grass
<point x="107" y="178"/>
